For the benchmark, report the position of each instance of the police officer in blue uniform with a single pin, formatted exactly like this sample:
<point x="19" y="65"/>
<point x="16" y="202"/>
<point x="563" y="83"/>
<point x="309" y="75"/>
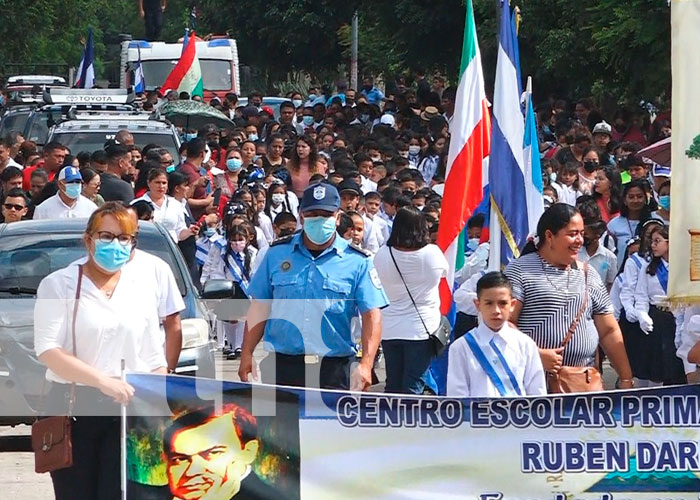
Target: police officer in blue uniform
<point x="305" y="293"/>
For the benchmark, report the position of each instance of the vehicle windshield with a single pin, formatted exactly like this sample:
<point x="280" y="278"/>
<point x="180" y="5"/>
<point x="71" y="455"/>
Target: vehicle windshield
<point x="28" y="258"/>
<point x="216" y="74"/>
<point x="14" y="122"/>
<point x="92" y="141"/>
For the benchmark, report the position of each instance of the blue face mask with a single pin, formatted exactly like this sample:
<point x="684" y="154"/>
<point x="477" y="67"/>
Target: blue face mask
<point x="170" y="168"/>
<point x="189" y="137"/>
<point x="234" y="164"/>
<point x="209" y="232"/>
<point x="364" y="118"/>
<point x="296" y="102"/>
<point x="473" y="244"/>
<point x="319" y="229"/>
<point x="73" y="190"/>
<point x="253" y="137"/>
<point x="307" y="120"/>
<point x="665" y="202"/>
<point x="111" y="256"/>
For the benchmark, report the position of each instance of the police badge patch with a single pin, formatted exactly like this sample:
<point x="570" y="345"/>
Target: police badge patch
<point x="286" y="265"/>
<point x="319" y="192"/>
<point x="375" y="278"/>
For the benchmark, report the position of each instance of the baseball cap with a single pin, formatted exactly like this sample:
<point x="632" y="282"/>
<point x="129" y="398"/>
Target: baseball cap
<point x="387" y="119"/>
<point x="320" y="196"/>
<point x="602" y="128"/>
<point x="70" y="174"/>
<point x="349" y="185"/>
<point x="269" y="111"/>
<point x="250" y="111"/>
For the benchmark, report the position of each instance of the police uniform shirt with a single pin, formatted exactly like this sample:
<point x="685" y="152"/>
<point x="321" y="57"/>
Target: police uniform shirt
<point x="313" y="300"/>
<point x="466" y="377"/>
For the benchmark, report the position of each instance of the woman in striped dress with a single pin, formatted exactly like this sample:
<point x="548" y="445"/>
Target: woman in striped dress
<point x="550" y="289"/>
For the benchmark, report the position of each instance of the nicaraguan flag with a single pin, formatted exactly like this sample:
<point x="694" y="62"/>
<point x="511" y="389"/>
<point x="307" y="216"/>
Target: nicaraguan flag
<point x="507" y="166"/>
<point x="86" y="69"/>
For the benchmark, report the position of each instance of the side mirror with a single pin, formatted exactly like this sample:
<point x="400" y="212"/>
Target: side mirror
<point x="226" y="299"/>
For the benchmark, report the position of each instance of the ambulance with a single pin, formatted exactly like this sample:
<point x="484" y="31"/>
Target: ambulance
<point x="218" y="58"/>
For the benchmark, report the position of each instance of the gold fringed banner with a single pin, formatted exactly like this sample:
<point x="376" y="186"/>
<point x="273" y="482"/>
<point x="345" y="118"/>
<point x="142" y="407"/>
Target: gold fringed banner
<point x="684" y="279"/>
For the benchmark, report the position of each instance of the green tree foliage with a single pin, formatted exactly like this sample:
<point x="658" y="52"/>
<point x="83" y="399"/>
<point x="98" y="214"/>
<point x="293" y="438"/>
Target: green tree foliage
<point x="619" y="51"/>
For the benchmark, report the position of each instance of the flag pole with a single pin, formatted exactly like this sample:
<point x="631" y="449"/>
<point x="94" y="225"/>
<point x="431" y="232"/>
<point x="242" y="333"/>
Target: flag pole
<point x="123" y="438"/>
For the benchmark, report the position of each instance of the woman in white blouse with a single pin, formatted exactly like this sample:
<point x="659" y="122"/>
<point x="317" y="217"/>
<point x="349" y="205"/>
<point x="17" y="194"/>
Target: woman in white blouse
<point x="166" y="210"/>
<point x="104" y="335"/>
<point x="410" y="270"/>
<point x="655" y="319"/>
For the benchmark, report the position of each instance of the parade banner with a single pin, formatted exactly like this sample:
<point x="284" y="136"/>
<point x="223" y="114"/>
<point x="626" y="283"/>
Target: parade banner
<point x="190" y="438"/>
<point x="684" y="273"/>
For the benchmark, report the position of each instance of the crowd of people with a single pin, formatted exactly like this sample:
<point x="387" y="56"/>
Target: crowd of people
<point x="339" y="199"/>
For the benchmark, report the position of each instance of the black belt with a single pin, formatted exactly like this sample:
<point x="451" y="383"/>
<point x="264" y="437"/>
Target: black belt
<point x="309" y="359"/>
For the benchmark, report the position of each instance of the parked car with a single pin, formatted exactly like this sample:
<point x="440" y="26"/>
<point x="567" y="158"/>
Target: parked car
<point x="29" y="251"/>
<point x="273" y="102"/>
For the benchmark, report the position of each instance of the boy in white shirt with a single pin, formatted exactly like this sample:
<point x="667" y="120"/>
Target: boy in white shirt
<point x="494" y="360"/>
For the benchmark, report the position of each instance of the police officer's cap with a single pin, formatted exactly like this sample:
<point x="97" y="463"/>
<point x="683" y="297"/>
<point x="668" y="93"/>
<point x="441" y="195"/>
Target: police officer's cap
<point x="321" y="196"/>
<point x="350" y="186"/>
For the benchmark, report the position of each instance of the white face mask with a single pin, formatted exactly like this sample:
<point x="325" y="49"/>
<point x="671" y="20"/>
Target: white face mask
<point x="413" y="150"/>
<point x="277" y="198"/>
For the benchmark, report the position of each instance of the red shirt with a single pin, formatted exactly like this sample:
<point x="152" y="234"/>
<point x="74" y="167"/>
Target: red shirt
<point x="27" y="174"/>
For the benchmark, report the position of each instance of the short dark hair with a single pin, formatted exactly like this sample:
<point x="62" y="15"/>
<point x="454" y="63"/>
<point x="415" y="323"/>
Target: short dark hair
<point x="116" y="151"/>
<point x="284" y="217"/>
<point x="410" y="229"/>
<point x="15" y="193"/>
<point x="373" y="195"/>
<point x="244" y="422"/>
<point x="344" y="223"/>
<point x="142" y="207"/>
<point x="476" y="220"/>
<point x="286" y="104"/>
<point x="10" y="173"/>
<point x="494" y="279"/>
<point x="195" y="147"/>
<point x="52" y="146"/>
<point x="98" y="156"/>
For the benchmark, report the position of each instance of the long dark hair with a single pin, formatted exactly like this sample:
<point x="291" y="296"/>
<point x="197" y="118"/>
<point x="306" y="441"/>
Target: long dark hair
<point x="646" y="211"/>
<point x="554" y="219"/>
<point x="294" y="161"/>
<point x="238" y="230"/>
<point x="613" y="175"/>
<point x="410" y="229"/>
<point x="175" y="179"/>
<point x="144" y="166"/>
<point x="655" y="262"/>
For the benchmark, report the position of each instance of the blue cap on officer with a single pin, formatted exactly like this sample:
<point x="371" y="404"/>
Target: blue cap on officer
<point x="320" y="196"/>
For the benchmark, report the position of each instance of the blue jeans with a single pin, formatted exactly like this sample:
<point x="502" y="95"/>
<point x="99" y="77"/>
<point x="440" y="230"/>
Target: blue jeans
<point x="406" y="362"/>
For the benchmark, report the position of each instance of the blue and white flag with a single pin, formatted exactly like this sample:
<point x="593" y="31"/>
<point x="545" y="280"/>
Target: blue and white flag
<point x="533" y="167"/>
<point x="507" y="166"/>
<point x="139" y="80"/>
<point x="86" y="69"/>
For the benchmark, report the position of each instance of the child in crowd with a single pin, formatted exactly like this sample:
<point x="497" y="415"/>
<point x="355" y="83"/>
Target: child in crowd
<point x="494" y="359"/>
<point x="603" y="260"/>
<point x="373" y="202"/>
<point x="567" y="183"/>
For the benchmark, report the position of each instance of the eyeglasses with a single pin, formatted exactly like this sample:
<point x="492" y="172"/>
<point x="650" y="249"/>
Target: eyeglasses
<point x="12" y="206"/>
<point x="123" y="239"/>
<point x="658" y="241"/>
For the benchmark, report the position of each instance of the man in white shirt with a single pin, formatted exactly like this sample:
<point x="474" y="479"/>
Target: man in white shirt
<point x="5" y="155"/>
<point x="494" y="360"/>
<point x="68" y="202"/>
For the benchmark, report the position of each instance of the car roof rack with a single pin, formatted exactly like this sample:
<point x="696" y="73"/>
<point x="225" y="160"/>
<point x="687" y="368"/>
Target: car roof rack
<point x="89" y="96"/>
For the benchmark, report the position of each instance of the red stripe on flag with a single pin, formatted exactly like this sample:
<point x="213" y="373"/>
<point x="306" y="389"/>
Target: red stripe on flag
<point x="172" y="82"/>
<point x="463" y="193"/>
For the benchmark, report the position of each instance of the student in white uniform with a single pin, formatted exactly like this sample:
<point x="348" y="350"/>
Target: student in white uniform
<point x="231" y="259"/>
<point x="67" y="203"/>
<point x="87" y="318"/>
<point x="166" y="210"/>
<point x="495" y="359"/>
<point x="601" y="259"/>
<point x="658" y="346"/>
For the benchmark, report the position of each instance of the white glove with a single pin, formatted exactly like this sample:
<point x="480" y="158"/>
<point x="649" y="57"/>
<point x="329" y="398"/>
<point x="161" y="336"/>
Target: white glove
<point x="631" y="315"/>
<point x="645" y="322"/>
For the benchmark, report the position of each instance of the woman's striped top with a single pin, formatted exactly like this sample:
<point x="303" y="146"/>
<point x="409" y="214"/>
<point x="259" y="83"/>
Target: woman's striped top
<point x="551" y="299"/>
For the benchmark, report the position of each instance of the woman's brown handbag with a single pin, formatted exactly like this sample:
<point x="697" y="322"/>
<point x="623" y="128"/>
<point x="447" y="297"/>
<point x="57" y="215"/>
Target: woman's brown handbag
<point x="575" y="378"/>
<point x="51" y="436"/>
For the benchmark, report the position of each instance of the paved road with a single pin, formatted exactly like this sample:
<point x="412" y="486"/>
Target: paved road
<point x="19" y="481"/>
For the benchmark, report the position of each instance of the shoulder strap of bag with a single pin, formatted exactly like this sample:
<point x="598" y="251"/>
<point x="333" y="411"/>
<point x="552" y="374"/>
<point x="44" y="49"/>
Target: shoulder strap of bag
<point x="78" y="288"/>
<point x="408" y="291"/>
<point x="582" y="309"/>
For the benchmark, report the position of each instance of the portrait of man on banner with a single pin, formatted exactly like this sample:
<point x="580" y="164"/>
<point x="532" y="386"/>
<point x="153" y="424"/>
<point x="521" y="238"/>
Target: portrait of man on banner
<point x="210" y="452"/>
